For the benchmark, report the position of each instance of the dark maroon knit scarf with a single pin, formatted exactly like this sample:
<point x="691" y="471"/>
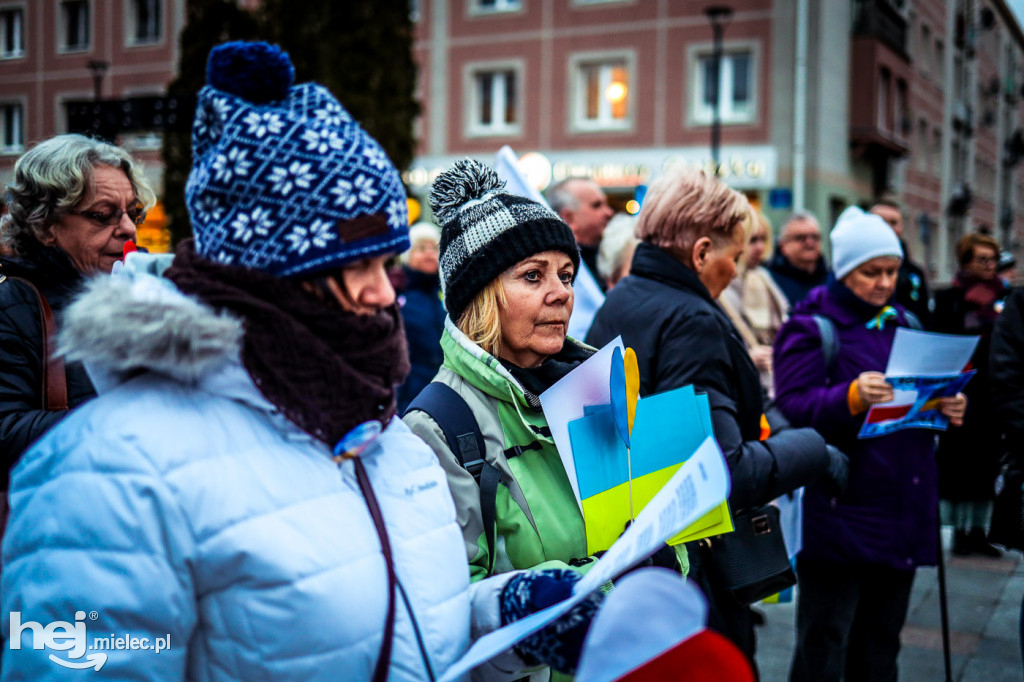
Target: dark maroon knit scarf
<point x="327" y="369"/>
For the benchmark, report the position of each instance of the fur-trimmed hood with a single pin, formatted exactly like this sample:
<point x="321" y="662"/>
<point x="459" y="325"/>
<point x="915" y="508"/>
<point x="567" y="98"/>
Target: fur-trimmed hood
<point x="133" y="322"/>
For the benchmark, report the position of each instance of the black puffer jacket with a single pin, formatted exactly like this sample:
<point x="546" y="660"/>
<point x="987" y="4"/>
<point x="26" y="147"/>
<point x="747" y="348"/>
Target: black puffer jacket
<point x="22" y="419"/>
<point x="680" y="336"/>
<point x="1007" y="365"/>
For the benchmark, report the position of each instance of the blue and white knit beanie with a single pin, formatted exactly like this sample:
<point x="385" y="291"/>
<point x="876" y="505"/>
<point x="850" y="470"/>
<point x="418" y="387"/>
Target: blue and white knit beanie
<point x="283" y="180"/>
<point x="485" y="231"/>
<point x="858" y="237"/>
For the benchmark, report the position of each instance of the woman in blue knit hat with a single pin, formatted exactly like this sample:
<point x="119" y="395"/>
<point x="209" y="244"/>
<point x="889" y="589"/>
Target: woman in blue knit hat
<point x="239" y="502"/>
<point x="861" y="546"/>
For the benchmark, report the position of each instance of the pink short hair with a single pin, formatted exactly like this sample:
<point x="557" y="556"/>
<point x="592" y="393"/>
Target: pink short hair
<point x="684" y="205"/>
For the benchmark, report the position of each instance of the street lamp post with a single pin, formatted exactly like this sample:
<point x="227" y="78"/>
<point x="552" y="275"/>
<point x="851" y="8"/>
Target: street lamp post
<point x="719" y="16"/>
<point x="98" y="69"/>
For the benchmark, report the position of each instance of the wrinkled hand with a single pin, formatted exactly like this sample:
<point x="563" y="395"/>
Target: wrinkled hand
<point x="558" y="645"/>
<point x="873" y="388"/>
<point x="954" y="408"/>
<point x="838" y="470"/>
<point x="762" y="357"/>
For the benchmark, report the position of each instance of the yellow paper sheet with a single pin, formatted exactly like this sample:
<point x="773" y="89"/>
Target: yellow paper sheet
<point x="606" y="513"/>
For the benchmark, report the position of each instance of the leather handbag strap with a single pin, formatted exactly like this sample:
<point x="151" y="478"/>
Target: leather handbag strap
<point x="55" y="383"/>
<point x="380" y="674"/>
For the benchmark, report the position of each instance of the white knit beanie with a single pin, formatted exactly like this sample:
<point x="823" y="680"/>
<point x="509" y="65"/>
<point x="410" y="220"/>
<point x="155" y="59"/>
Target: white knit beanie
<point x="858" y="237"/>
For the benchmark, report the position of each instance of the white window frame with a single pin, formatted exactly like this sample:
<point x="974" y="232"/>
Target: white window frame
<point x="599" y="3"/>
<point x="693" y="96"/>
<point x="131" y="25"/>
<point x="62" y="28"/>
<point x="19" y="144"/>
<point x="476" y="8"/>
<point x="473" y="104"/>
<point x="18" y="48"/>
<point x="578" y="123"/>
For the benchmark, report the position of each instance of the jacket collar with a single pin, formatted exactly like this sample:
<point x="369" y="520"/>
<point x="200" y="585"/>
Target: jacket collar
<point x="781" y="264"/>
<point x="655" y="263"/>
<point x="488" y="374"/>
<point x="43" y="266"/>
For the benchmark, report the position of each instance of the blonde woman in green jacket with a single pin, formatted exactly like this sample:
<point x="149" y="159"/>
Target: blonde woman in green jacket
<point x="507" y="268"/>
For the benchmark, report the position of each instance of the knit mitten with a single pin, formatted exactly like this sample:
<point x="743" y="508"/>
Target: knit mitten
<point x="559" y="644"/>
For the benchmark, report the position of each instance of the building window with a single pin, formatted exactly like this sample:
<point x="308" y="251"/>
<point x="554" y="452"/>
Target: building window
<point x="12" y="130"/>
<point x="144" y="21"/>
<point x="602" y="92"/>
<point x="494" y="107"/>
<point x="925" y="47"/>
<point x="12" y="35"/>
<point x="922" y="152"/>
<point x="735" y="88"/>
<point x="901" y="123"/>
<point x="74" y="16"/>
<point x="882" y="115"/>
<point x="488" y="6"/>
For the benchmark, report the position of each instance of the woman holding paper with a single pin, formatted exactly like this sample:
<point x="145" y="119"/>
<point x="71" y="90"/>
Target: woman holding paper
<point x="241" y="488"/>
<point x="860" y="546"/>
<point x="692" y="232"/>
<point x="507" y="270"/>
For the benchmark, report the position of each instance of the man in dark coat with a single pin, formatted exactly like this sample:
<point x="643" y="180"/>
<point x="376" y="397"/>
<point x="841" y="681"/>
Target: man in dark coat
<point x="798" y="266"/>
<point x="582" y="204"/>
<point x="665" y="311"/>
<point x="911" y="288"/>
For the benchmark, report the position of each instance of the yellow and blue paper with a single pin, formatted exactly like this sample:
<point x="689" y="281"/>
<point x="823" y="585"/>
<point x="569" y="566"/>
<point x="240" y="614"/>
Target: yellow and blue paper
<point x="622" y="460"/>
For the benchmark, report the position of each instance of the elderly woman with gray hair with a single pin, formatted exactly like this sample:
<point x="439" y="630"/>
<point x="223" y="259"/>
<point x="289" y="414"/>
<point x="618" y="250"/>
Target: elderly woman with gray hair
<point x="73" y="204"/>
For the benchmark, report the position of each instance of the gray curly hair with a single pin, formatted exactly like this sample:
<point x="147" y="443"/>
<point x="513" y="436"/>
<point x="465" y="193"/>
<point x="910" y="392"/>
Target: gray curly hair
<point x="55" y="176"/>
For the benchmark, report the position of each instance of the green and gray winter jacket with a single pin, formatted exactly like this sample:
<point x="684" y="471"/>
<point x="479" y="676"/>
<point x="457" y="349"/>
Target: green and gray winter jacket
<point x="539" y="523"/>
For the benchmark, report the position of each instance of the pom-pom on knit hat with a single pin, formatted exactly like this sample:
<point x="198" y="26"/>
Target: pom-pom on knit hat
<point x="858" y="237"/>
<point x="485" y="231"/>
<point x="283" y="180"/>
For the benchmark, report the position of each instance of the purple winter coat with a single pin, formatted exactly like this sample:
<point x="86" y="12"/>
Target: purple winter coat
<point x="888" y="514"/>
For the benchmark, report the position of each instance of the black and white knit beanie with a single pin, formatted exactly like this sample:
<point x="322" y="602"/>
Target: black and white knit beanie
<point x="485" y="231"/>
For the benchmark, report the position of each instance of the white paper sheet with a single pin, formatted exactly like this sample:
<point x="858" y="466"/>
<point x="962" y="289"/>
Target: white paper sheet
<point x="564" y="402"/>
<point x="922" y="354"/>
<point x="699" y="485"/>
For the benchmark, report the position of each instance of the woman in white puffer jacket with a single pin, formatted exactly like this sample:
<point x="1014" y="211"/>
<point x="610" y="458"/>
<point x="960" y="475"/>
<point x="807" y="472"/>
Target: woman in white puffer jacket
<point x="240" y="494"/>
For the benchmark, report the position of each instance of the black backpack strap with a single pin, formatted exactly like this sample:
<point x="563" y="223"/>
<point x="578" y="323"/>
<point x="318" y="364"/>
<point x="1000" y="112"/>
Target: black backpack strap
<point x="450" y="412"/>
<point x="829" y="341"/>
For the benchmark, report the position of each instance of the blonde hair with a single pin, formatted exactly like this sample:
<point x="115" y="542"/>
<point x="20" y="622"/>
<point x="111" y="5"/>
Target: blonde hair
<point x="769" y="240"/>
<point x="480" y="321"/>
<point x="617" y="242"/>
<point x="685" y="205"/>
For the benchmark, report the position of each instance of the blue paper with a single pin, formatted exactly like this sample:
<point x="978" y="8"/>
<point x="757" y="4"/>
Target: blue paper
<point x="599" y="453"/>
<point x="667" y="430"/>
<point x="922" y="413"/>
<point x="617" y="389"/>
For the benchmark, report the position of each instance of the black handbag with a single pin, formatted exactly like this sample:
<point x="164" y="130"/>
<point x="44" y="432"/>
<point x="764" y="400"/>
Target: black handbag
<point x="751" y="562"/>
<point x="1008" y="508"/>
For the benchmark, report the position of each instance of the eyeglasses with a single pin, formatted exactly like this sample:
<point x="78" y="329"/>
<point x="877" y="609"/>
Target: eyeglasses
<point x="136" y="214"/>
<point x="985" y="260"/>
<point x="814" y="238"/>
